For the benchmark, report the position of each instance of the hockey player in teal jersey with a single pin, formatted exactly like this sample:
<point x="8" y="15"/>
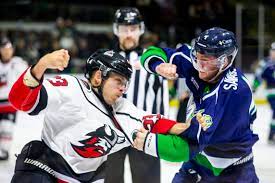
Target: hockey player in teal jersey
<point x="220" y="148"/>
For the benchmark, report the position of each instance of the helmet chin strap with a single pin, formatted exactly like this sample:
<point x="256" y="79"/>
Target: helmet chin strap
<point x="215" y="78"/>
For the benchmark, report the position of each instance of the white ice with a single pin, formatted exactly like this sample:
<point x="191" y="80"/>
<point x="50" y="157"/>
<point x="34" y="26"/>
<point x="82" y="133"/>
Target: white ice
<point x="29" y="128"/>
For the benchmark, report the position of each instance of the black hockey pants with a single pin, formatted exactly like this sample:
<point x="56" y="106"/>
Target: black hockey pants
<point x="28" y="169"/>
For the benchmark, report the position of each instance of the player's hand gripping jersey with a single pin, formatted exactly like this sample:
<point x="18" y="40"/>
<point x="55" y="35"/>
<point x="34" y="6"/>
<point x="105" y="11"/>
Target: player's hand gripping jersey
<point x="226" y="106"/>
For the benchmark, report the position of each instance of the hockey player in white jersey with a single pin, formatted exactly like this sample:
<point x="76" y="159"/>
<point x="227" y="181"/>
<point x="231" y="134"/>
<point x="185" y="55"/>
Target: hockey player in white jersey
<point x="10" y="69"/>
<point x="84" y="121"/>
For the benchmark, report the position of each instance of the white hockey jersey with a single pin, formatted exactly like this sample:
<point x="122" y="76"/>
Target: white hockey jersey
<point x="9" y="72"/>
<point x="77" y="125"/>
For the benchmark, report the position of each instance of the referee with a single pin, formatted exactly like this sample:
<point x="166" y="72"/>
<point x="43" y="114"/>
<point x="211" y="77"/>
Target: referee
<point x="147" y="91"/>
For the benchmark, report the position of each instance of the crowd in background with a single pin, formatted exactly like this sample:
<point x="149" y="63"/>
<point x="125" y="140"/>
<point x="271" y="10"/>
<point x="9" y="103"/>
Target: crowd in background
<point x="168" y="22"/>
<point x="170" y="27"/>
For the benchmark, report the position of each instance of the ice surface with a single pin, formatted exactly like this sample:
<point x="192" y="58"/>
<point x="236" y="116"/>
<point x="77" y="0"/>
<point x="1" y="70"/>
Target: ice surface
<point x="29" y="128"/>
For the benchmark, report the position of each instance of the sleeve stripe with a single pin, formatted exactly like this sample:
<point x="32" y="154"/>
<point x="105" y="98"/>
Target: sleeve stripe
<point x="150" y="53"/>
<point x="21" y="96"/>
<point x="35" y="104"/>
<point x="43" y="101"/>
<point x="157" y="144"/>
<point x="146" y="62"/>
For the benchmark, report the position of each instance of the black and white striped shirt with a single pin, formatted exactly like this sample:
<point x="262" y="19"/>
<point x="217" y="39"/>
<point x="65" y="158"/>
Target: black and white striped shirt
<point x="147" y="91"/>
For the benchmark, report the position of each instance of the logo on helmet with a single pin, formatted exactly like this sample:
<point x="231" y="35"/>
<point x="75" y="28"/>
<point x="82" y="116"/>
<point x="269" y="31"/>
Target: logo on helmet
<point x="130" y="16"/>
<point x="109" y="53"/>
<point x="223" y="42"/>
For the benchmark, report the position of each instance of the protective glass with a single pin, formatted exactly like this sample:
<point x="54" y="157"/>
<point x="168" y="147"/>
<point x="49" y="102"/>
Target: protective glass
<point x="207" y="64"/>
<point x="128" y="30"/>
<point x="119" y="81"/>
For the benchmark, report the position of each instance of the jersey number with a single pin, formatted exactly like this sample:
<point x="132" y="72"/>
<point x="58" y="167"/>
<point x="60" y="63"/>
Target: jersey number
<point x="58" y="81"/>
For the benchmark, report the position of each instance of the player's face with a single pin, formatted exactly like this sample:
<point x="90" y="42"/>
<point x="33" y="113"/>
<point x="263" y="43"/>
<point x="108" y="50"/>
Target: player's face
<point x="114" y="87"/>
<point x="128" y="36"/>
<point x="207" y="66"/>
<point x="6" y="53"/>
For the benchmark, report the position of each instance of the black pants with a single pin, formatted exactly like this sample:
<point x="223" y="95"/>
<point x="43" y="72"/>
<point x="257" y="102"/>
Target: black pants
<point x="144" y="168"/>
<point x="38" y="163"/>
<point x="31" y="177"/>
<point x="28" y="173"/>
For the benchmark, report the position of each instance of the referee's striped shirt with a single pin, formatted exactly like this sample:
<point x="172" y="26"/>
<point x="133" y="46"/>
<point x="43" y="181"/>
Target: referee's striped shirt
<point x="147" y="91"/>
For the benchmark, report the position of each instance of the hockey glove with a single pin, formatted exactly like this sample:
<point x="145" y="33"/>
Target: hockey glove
<point x="156" y="123"/>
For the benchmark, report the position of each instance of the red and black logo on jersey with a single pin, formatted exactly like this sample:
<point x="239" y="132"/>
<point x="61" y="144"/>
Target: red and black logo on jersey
<point x="99" y="143"/>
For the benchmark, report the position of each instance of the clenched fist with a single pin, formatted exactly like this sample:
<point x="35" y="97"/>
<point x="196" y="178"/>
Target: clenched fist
<point x="167" y="70"/>
<point x="55" y="60"/>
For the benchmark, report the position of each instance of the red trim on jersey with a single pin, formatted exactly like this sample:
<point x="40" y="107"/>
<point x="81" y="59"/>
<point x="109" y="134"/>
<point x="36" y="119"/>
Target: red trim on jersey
<point x="5" y="139"/>
<point x="23" y="97"/>
<point x="61" y="181"/>
<point x="162" y="126"/>
<point x="7" y="109"/>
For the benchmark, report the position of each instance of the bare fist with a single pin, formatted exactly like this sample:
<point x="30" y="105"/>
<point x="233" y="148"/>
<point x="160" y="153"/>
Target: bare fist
<point x="56" y="60"/>
<point x="167" y="70"/>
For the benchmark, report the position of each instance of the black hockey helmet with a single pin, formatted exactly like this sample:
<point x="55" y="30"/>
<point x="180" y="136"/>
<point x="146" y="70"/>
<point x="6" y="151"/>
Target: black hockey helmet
<point x="128" y="16"/>
<point x="108" y="61"/>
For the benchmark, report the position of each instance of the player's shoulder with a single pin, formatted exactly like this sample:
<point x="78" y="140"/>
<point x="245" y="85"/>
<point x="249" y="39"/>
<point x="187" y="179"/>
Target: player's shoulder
<point x="63" y="81"/>
<point x="123" y="103"/>
<point x="182" y="52"/>
<point x="184" y="48"/>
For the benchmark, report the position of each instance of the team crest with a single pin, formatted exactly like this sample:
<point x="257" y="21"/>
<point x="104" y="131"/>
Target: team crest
<point x="208" y="121"/>
<point x="98" y="143"/>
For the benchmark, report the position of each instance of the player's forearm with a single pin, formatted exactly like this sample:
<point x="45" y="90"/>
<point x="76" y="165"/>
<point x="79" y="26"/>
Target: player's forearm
<point x="39" y="69"/>
<point x="152" y="57"/>
<point x="167" y="147"/>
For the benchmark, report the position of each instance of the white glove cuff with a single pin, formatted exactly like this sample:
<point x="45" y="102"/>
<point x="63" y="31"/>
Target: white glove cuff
<point x="150" y="144"/>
